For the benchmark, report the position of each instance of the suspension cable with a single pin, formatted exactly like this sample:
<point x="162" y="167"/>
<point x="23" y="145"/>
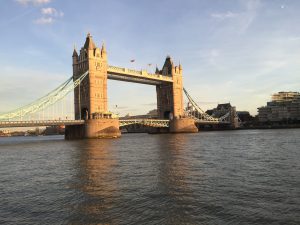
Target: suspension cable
<point x="45" y="101"/>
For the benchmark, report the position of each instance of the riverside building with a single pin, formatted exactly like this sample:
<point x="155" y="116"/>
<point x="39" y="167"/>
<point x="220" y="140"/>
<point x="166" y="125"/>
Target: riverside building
<point x="284" y="106"/>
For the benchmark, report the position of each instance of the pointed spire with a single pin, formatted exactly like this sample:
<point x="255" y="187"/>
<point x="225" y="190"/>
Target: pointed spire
<point x="156" y="70"/>
<point x="103" y="49"/>
<point x="75" y="52"/>
<point x="180" y="66"/>
<point x="168" y="65"/>
<point x="169" y="59"/>
<point x="89" y="43"/>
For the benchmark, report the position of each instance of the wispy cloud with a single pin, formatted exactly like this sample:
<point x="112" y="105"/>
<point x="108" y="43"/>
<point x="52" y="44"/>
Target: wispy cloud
<point x="44" y="20"/>
<point x="49" y="16"/>
<point x="27" y="91"/>
<point x="243" y="19"/>
<point x="249" y="15"/>
<point x="52" y="12"/>
<point x="213" y="56"/>
<point x="223" y="16"/>
<point x="252" y="4"/>
<point x="150" y="104"/>
<point x="33" y="2"/>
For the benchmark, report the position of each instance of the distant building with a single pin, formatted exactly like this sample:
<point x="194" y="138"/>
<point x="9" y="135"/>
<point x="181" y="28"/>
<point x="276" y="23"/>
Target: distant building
<point x="54" y="130"/>
<point x="221" y="110"/>
<point x="284" y="106"/>
<point x="152" y="114"/>
<point x="245" y="118"/>
<point x="226" y="112"/>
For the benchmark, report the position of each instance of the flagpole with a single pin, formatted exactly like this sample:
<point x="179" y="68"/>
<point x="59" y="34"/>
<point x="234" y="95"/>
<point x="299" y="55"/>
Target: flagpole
<point x="132" y="61"/>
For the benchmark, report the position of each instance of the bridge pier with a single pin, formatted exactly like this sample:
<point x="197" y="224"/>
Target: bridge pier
<point x="94" y="128"/>
<point x="183" y="125"/>
<point x="73" y="132"/>
<point x="102" y="128"/>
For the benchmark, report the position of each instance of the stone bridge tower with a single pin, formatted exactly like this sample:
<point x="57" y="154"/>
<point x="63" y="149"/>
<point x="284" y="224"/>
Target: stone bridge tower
<point x="90" y="97"/>
<point x="170" y="99"/>
<point x="169" y="96"/>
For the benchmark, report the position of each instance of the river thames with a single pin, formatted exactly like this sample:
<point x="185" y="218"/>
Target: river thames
<point x="230" y="177"/>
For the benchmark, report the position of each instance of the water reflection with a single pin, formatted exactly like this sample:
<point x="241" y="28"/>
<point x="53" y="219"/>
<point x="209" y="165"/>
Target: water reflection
<point x="97" y="182"/>
<point x="173" y="179"/>
<point x="239" y="177"/>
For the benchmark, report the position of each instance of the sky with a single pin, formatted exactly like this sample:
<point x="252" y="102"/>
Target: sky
<point x="237" y="51"/>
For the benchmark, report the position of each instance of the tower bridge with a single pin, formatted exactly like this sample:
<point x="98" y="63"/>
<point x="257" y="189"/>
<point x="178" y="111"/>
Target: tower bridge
<point x="92" y="117"/>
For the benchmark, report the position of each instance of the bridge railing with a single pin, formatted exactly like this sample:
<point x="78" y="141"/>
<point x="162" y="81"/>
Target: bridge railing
<point x="145" y="122"/>
<point x="33" y="123"/>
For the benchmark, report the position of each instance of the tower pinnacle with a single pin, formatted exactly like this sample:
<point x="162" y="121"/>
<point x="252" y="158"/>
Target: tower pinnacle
<point x="103" y="50"/>
<point x="89" y="43"/>
<point x="75" y="52"/>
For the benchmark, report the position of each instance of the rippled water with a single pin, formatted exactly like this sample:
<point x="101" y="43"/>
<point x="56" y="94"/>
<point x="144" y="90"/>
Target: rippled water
<point x="232" y="177"/>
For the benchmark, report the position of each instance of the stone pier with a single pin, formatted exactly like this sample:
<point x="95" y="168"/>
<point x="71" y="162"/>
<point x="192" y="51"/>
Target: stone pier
<point x="102" y="128"/>
<point x="94" y="128"/>
<point x="183" y="125"/>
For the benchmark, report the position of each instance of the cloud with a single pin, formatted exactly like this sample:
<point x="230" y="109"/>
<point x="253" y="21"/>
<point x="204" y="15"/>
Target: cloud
<point x="52" y="12"/>
<point x="243" y="19"/>
<point x="44" y="20"/>
<point x="214" y="54"/>
<point x="223" y="16"/>
<point x="49" y="16"/>
<point x="150" y="104"/>
<point x="33" y="2"/>
<point x="293" y="38"/>
<point x="117" y="107"/>
<point x="250" y="14"/>
<point x="41" y="82"/>
<point x="252" y="5"/>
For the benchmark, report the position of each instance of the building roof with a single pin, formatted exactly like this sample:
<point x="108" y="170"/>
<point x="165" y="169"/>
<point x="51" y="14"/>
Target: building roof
<point x="224" y="105"/>
<point x="75" y="53"/>
<point x="89" y="43"/>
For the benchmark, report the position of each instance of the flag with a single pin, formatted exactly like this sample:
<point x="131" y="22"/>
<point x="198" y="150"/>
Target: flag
<point x="133" y="60"/>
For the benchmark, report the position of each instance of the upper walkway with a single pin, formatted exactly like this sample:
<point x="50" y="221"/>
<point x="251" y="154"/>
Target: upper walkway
<point x="136" y="76"/>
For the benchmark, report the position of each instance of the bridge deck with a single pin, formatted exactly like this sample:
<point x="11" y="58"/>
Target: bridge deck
<point x="39" y="123"/>
<point x="206" y="122"/>
<point x="123" y="122"/>
<point x="42" y="123"/>
<point x="142" y="76"/>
